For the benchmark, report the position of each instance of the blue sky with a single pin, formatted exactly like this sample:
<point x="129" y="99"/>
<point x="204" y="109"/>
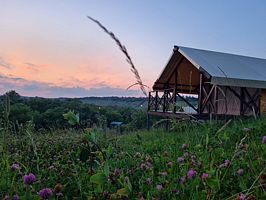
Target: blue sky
<point x="51" y="44"/>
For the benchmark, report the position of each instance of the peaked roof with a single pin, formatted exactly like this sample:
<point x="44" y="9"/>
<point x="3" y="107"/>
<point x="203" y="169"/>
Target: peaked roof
<point x="227" y="69"/>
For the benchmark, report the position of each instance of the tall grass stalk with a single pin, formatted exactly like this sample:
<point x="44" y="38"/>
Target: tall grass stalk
<point x="125" y="52"/>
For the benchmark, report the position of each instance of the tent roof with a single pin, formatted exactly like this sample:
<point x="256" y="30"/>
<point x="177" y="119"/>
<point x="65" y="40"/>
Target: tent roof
<point x="228" y="69"/>
<point x="222" y="68"/>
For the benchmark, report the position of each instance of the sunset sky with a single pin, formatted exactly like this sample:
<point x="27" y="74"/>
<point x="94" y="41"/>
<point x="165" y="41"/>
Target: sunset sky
<point x="49" y="48"/>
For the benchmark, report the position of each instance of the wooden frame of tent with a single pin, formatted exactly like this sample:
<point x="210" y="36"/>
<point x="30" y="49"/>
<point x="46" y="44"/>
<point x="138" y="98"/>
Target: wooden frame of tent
<point x="218" y="94"/>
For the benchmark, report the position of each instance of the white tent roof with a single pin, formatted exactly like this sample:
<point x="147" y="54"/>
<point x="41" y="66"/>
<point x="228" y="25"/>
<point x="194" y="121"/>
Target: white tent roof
<point x="228" y="69"/>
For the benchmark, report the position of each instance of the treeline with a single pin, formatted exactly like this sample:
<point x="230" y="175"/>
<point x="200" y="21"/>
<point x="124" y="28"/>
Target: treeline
<point x="48" y="113"/>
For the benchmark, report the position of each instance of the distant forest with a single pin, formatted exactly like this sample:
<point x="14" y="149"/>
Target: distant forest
<point x="47" y="113"/>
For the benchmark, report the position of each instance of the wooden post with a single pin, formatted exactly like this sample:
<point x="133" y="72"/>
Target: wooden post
<point x="242" y="98"/>
<point x="164" y="100"/>
<point x="148" y="122"/>
<point x="215" y="98"/>
<point x="175" y="89"/>
<point x="156" y="101"/>
<point x="200" y="95"/>
<point x="149" y="106"/>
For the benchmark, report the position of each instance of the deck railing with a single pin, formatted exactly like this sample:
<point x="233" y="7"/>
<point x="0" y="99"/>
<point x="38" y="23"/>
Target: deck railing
<point x="165" y="102"/>
<point x="162" y="101"/>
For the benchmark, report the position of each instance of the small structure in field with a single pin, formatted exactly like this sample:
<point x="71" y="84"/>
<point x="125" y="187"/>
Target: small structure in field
<point x="224" y="84"/>
<point x="116" y="126"/>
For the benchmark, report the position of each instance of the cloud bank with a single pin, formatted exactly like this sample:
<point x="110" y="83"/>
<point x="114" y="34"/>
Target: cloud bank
<point x="34" y="88"/>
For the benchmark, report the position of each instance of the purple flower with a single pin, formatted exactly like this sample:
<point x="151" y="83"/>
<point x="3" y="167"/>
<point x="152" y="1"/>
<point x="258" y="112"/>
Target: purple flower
<point x="148" y="181"/>
<point x="170" y="163"/>
<point x="159" y="187"/>
<point x="227" y="163"/>
<point x="50" y="168"/>
<point x="264" y="139"/>
<point x="186" y="154"/>
<point x="191" y="174"/>
<point x="241" y="196"/>
<point x="204" y="176"/>
<point x="175" y="191"/>
<point x="15" y="167"/>
<point x="148" y="165"/>
<point x="163" y="173"/>
<point x="183" y="146"/>
<point x="240" y="172"/>
<point x="29" y="179"/>
<point x="142" y="166"/>
<point x="180" y="159"/>
<point x="15" y="197"/>
<point x="6" y="198"/>
<point x="45" y="193"/>
<point x="182" y="180"/>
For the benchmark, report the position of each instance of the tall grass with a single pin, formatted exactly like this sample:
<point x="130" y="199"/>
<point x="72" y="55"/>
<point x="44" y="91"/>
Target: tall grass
<point x="125" y="52"/>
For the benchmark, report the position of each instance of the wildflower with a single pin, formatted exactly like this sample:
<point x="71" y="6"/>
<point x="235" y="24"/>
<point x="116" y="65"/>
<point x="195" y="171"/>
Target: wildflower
<point x="204" y="176"/>
<point x="186" y="154"/>
<point x="6" y="198"/>
<point x="15" y="197"/>
<point x="15" y="167"/>
<point x="262" y="178"/>
<point x="51" y="168"/>
<point x="241" y="196"/>
<point x="240" y="172"/>
<point x="45" y="193"/>
<point x="137" y="154"/>
<point x="29" y="179"/>
<point x="175" y="191"/>
<point x="117" y="172"/>
<point x="193" y="157"/>
<point x="163" y="173"/>
<point x="227" y="163"/>
<point x="183" y="146"/>
<point x="148" y="159"/>
<point x="159" y="187"/>
<point x="182" y="180"/>
<point x="149" y="165"/>
<point x="105" y="194"/>
<point x="264" y="139"/>
<point x="170" y="163"/>
<point x="142" y="166"/>
<point x="148" y="181"/>
<point x="191" y="174"/>
<point x="180" y="159"/>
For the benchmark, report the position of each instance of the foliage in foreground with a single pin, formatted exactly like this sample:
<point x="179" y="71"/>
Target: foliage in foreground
<point x="198" y="162"/>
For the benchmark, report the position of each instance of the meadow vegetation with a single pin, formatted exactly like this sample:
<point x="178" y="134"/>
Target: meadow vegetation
<point x="194" y="160"/>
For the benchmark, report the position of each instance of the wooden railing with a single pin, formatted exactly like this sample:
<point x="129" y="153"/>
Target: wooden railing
<point x="162" y="101"/>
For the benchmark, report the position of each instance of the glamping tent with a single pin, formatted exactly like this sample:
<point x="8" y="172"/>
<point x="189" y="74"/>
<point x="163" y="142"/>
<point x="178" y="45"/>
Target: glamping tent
<point x="224" y="85"/>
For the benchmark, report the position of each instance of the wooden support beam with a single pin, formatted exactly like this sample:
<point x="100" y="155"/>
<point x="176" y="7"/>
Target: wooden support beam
<point x="239" y="97"/>
<point x="149" y="105"/>
<point x="205" y="101"/>
<point x="156" y="101"/>
<point x="176" y="76"/>
<point x="187" y="102"/>
<point x="200" y="95"/>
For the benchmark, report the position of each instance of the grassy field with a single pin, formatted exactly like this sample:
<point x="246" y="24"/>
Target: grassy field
<point x="193" y="161"/>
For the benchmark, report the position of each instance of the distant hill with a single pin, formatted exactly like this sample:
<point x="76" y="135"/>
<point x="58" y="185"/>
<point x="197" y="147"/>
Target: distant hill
<point x="133" y="102"/>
